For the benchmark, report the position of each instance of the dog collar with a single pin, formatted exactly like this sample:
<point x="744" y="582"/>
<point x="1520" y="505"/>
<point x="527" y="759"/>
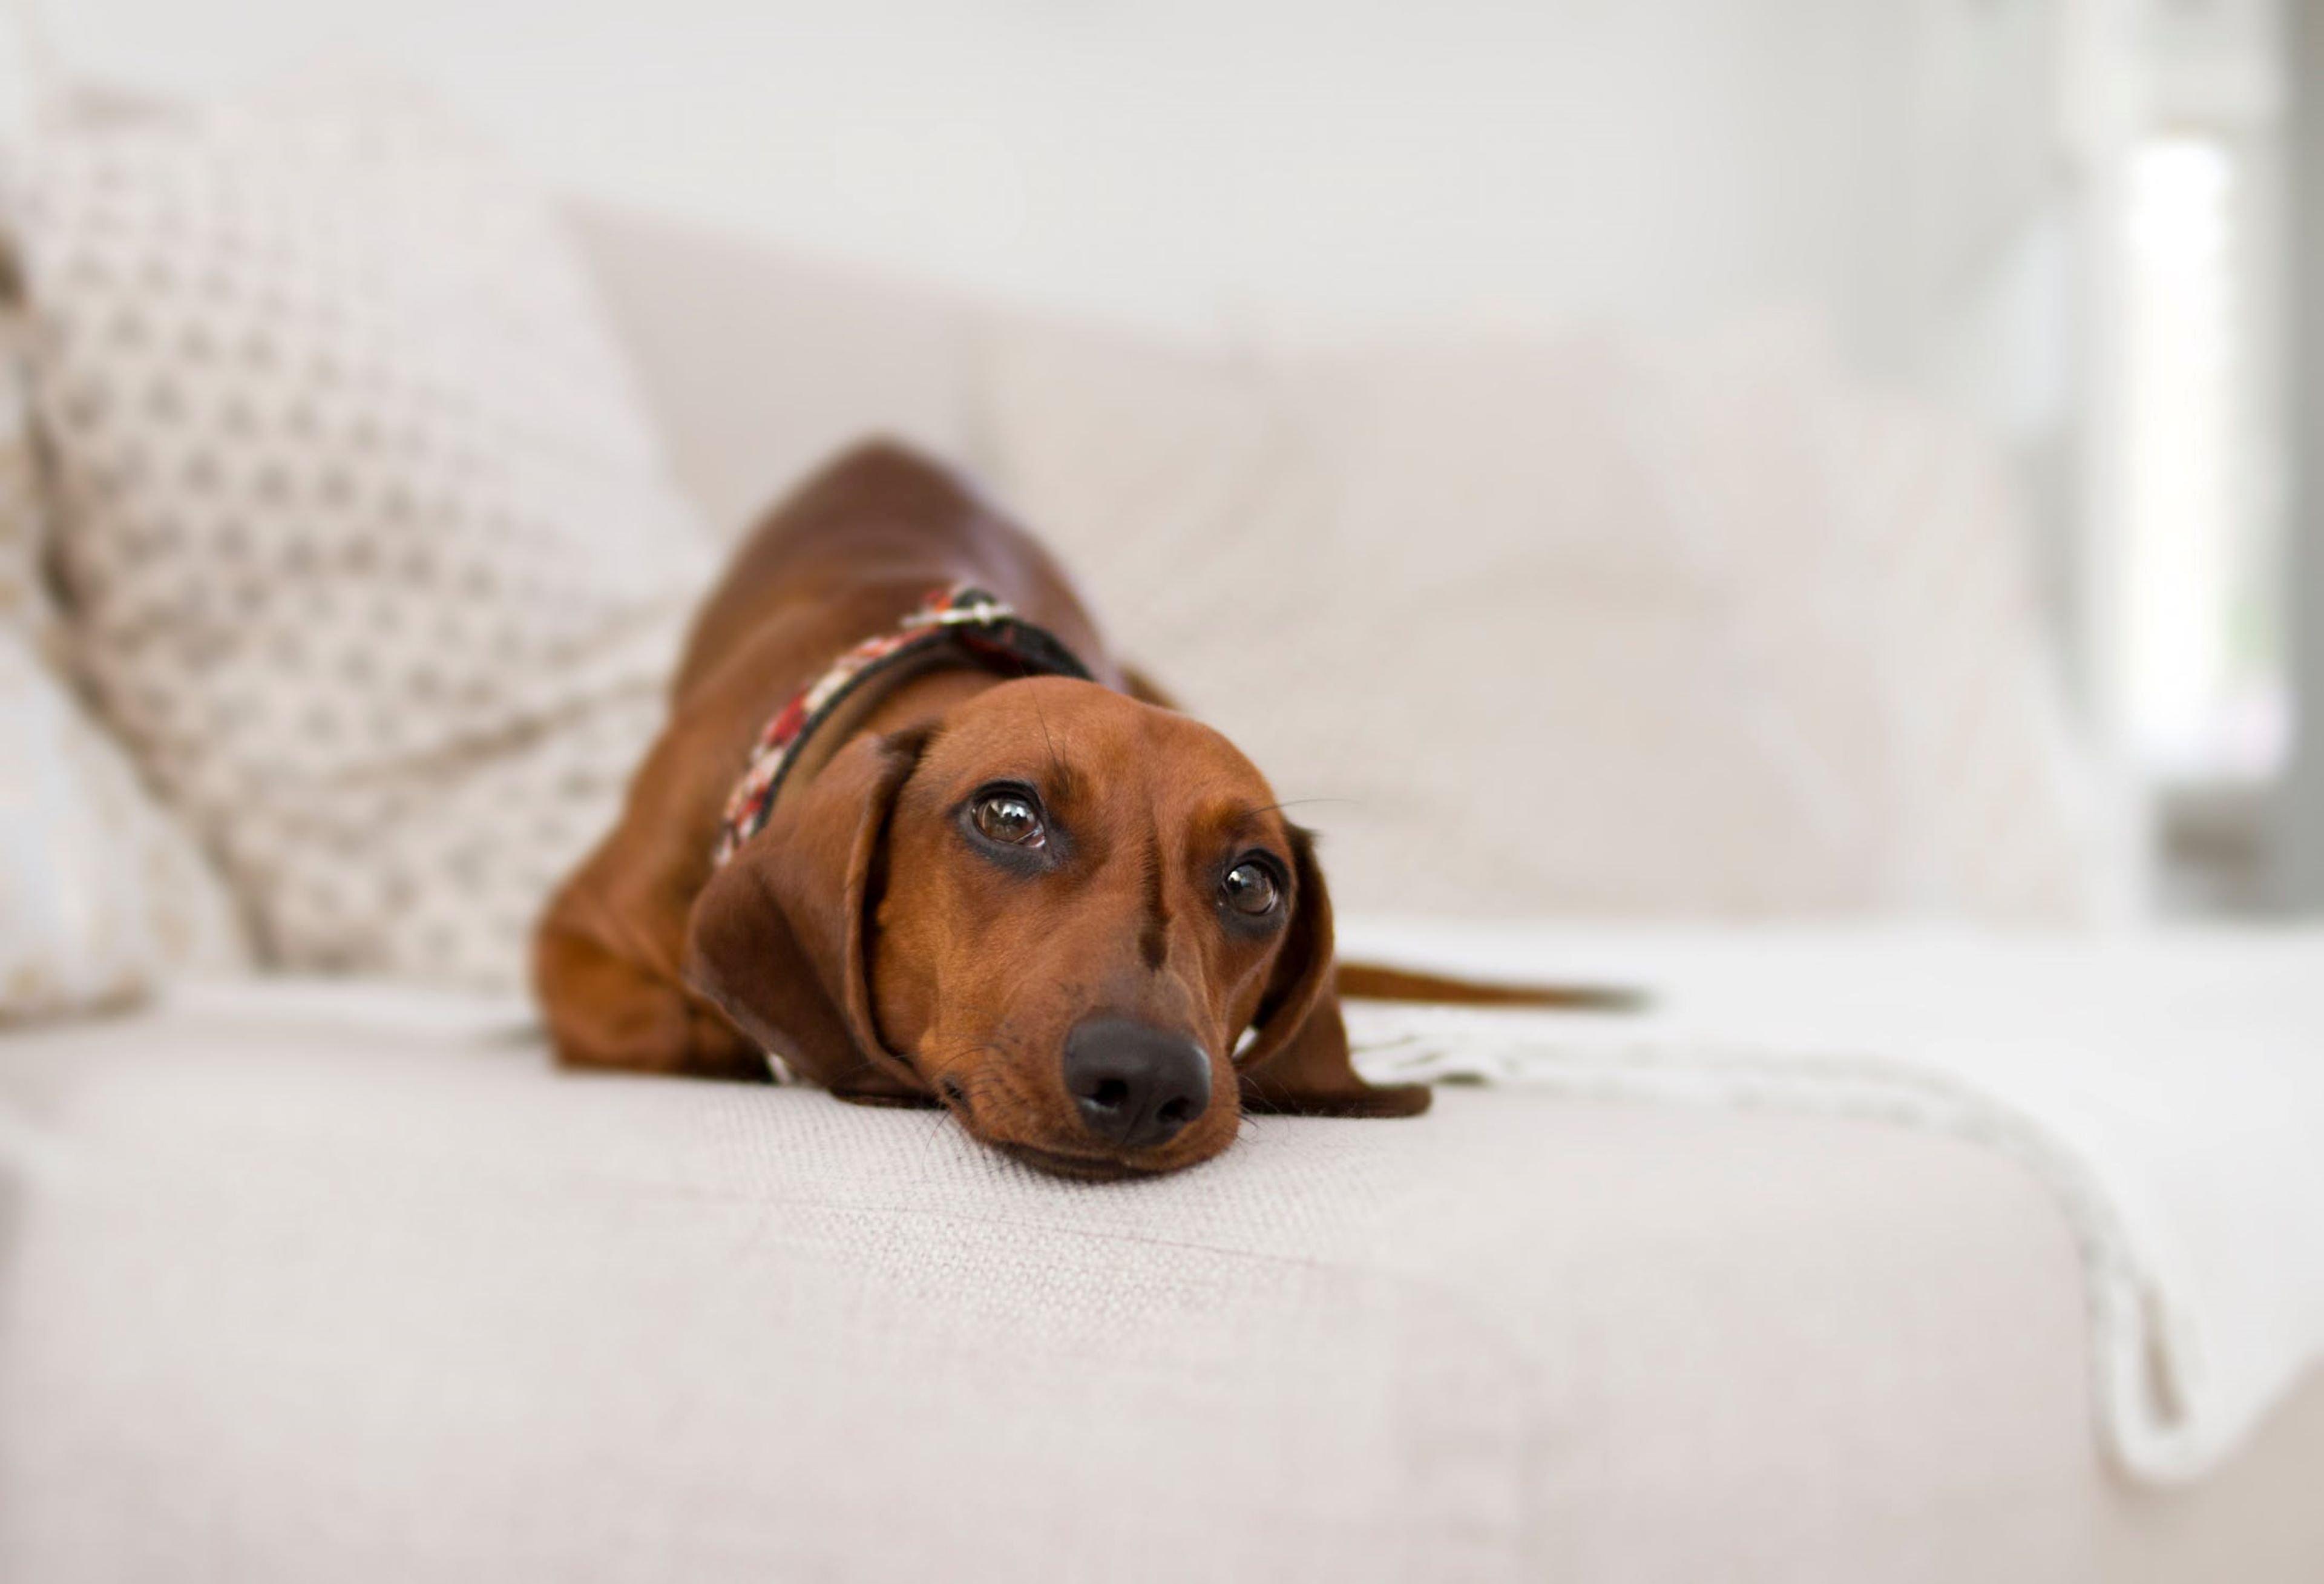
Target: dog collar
<point x="962" y="617"/>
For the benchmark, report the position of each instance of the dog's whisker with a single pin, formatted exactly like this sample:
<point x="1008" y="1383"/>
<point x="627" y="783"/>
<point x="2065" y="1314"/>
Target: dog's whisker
<point x="1056" y="765"/>
<point x="939" y="1126"/>
<point x="1298" y="802"/>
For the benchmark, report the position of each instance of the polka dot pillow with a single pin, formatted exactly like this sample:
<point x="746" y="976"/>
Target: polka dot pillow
<point x="371" y="555"/>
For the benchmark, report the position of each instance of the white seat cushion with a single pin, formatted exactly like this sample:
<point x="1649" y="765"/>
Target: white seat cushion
<point x="307" y="1285"/>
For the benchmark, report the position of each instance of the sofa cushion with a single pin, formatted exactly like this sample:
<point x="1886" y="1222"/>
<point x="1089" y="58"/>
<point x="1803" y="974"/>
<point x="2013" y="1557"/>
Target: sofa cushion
<point x="309" y="1282"/>
<point x="1592" y="625"/>
<point x="762" y="363"/>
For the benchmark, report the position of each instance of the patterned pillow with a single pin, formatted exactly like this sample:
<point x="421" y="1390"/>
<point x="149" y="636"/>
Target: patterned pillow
<point x="101" y="892"/>
<point x="370" y="554"/>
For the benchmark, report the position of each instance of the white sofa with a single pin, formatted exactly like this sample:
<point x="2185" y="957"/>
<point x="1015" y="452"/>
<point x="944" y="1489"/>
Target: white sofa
<point x="308" y="1280"/>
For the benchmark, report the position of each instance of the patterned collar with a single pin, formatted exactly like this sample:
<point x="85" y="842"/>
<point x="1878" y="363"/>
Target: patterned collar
<point x="963" y="618"/>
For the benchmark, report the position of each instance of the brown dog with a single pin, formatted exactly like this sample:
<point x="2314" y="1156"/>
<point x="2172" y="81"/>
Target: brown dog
<point x="1072" y="916"/>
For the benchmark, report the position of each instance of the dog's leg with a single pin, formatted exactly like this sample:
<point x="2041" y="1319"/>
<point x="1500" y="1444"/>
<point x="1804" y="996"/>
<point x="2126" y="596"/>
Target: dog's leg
<point x="605" y="1010"/>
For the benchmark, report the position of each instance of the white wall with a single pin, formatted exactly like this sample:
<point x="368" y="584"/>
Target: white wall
<point x="1192" y="162"/>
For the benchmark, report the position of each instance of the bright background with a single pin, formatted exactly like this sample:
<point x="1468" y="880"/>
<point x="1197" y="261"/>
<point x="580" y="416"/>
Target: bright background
<point x="2070" y="219"/>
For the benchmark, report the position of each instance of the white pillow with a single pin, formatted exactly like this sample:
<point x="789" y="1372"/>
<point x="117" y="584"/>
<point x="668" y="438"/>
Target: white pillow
<point x="372" y="557"/>
<point x="101" y="893"/>
<point x="1577" y="626"/>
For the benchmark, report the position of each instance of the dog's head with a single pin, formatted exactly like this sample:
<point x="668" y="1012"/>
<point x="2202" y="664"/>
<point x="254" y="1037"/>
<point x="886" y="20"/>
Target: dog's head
<point x="1079" y="922"/>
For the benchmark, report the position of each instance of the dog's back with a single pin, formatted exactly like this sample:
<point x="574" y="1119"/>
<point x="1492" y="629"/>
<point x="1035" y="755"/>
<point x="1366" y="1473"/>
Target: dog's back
<point x="857" y="545"/>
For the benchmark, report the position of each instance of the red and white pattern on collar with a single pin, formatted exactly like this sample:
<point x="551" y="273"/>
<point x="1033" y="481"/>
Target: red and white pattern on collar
<point x="963" y="615"/>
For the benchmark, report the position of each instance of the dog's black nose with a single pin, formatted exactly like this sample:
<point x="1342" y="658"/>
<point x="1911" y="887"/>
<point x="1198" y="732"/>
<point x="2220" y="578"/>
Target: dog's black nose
<point x="1135" y="1085"/>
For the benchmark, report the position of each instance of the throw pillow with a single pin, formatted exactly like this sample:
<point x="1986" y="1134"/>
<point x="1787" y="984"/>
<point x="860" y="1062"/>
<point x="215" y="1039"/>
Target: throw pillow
<point x="372" y="557"/>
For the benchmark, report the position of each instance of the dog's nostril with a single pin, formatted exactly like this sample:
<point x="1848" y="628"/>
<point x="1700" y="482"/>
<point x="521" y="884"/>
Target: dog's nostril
<point x="1108" y="1094"/>
<point x="1173" y="1110"/>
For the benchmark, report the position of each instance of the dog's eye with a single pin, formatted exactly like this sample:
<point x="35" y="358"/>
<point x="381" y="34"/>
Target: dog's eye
<point x="1009" y="818"/>
<point x="1249" y="889"/>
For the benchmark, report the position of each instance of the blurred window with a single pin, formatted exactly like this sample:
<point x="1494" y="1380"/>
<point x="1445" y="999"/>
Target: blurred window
<point x="2203" y="626"/>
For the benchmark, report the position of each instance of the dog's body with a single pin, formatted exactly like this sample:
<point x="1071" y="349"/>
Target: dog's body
<point x="1077" y="988"/>
<point x="851" y="554"/>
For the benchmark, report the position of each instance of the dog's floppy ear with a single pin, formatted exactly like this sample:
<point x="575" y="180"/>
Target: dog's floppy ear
<point x="776" y="938"/>
<point x="1298" y="1059"/>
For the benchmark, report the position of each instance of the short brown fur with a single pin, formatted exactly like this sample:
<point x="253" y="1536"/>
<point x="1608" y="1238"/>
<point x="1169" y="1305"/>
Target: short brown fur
<point x="860" y="938"/>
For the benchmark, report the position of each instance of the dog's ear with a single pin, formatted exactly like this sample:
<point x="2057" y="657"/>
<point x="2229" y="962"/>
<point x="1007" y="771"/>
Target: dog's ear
<point x="1297" y="1060"/>
<point x="777" y="940"/>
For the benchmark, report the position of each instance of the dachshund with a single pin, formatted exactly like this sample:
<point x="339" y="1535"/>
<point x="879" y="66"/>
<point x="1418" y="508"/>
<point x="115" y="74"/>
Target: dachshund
<point x="915" y="834"/>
